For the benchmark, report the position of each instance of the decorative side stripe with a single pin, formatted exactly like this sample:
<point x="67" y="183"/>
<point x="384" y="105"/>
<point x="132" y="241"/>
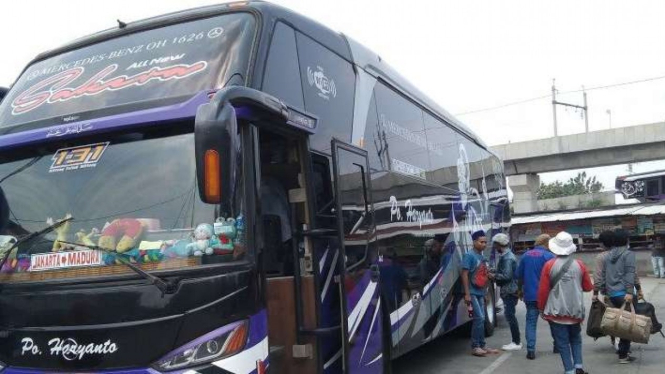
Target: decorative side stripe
<point x="371" y="327"/>
<point x="359" y="311"/>
<point x="375" y="360"/>
<point x="333" y="359"/>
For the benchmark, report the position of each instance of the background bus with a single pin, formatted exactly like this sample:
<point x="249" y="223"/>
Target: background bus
<point x="283" y="198"/>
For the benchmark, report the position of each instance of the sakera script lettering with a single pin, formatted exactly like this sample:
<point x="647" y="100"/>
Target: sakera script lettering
<point x="56" y="88"/>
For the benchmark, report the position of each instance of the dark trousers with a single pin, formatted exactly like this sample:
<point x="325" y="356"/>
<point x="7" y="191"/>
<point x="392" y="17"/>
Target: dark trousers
<point x="509" y="303"/>
<point x="624" y="345"/>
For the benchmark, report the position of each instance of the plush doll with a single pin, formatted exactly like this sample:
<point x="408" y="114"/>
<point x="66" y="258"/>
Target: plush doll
<point x="16" y="264"/>
<point x="225" y="229"/>
<point x="128" y="230"/>
<point x="109" y="258"/>
<point x="86" y="239"/>
<point x="176" y="249"/>
<point x="61" y="233"/>
<point x="202" y="235"/>
<point x="151" y="255"/>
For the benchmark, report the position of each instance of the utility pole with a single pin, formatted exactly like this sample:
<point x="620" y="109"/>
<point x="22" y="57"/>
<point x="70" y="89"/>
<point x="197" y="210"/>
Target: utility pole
<point x="554" y="106"/>
<point x="584" y="108"/>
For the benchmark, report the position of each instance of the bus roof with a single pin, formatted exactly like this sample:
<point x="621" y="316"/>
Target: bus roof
<point x="341" y="44"/>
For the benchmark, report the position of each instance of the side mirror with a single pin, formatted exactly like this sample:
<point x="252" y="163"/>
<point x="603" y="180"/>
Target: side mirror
<point x="214" y="135"/>
<point x="3" y="93"/>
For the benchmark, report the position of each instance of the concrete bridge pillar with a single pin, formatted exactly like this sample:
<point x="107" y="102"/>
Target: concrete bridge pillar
<point x="525" y="189"/>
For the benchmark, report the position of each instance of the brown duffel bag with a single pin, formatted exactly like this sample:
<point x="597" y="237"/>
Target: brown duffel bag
<point x="625" y="324"/>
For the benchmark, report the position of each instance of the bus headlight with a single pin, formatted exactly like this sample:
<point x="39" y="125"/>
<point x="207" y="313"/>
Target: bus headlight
<point x="223" y="342"/>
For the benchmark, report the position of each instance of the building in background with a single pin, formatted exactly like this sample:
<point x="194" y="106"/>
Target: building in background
<point x="643" y="221"/>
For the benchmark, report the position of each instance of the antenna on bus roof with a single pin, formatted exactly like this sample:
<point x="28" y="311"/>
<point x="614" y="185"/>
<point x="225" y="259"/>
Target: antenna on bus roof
<point x="121" y="24"/>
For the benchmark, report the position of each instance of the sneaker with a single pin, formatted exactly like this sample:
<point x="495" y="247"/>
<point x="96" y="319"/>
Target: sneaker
<point x="479" y="352"/>
<point x="580" y="371"/>
<point x="531" y="355"/>
<point x="626" y="360"/>
<point x="491" y="351"/>
<point x="512" y="347"/>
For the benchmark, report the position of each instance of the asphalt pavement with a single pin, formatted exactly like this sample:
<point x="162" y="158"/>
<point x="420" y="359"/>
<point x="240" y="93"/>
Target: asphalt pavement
<point x="452" y="354"/>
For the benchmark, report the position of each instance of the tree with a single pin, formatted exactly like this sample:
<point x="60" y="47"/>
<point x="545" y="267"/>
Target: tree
<point x="580" y="185"/>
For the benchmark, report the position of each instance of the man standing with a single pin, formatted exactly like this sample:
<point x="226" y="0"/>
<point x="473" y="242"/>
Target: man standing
<point x="561" y="300"/>
<point x="505" y="278"/>
<point x="475" y="279"/>
<point x="606" y="239"/>
<point x="620" y="282"/>
<point x="528" y="278"/>
<point x="658" y="257"/>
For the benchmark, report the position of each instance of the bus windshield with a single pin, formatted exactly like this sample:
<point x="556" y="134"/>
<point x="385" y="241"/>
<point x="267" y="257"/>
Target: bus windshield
<point x="138" y="69"/>
<point x="128" y="198"/>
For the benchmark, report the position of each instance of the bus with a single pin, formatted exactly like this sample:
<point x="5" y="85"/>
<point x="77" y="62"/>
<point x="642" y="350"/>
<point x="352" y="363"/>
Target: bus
<point x="231" y="189"/>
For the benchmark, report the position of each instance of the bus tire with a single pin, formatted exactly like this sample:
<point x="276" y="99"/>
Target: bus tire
<point x="490" y="311"/>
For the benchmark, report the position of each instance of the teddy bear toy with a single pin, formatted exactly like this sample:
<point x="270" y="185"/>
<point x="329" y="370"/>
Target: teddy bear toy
<point x="225" y="229"/>
<point x="202" y="240"/>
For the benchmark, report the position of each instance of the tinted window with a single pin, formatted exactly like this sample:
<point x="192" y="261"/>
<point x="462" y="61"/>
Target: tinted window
<point x="161" y="63"/>
<point x="282" y="77"/>
<point x="652" y="187"/>
<point x="328" y="85"/>
<point x="443" y="153"/>
<point x="375" y="140"/>
<point x="402" y="122"/>
<point x="137" y="220"/>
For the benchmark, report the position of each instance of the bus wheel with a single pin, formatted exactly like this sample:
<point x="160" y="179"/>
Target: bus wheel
<point x="490" y="311"/>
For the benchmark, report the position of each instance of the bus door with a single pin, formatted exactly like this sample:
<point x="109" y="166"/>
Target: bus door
<point x="362" y="318"/>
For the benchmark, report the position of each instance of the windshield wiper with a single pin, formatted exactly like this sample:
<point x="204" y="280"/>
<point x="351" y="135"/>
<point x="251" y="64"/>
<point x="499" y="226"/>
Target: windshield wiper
<point x="31" y="236"/>
<point x="167" y="287"/>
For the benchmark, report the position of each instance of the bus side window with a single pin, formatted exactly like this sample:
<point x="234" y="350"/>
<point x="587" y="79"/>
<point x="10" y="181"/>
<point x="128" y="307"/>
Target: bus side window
<point x="328" y="83"/>
<point x="282" y="76"/>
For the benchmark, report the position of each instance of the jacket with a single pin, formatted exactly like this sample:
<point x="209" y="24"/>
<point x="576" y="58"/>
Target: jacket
<point x="599" y="275"/>
<point x="619" y="272"/>
<point x="565" y="302"/>
<point x="529" y="270"/>
<point x="505" y="273"/>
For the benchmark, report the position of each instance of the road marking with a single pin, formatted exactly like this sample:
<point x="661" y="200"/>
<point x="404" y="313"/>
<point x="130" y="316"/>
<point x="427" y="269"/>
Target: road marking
<point x="496" y="363"/>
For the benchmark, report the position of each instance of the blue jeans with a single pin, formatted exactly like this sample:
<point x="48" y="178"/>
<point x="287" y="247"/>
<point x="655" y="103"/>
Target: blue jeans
<point x="532" y="314"/>
<point x="624" y="345"/>
<point x="509" y="302"/>
<point x="568" y="339"/>
<point x="478" y="327"/>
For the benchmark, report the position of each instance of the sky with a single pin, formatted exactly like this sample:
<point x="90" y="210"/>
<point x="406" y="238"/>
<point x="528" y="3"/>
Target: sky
<point x="468" y="56"/>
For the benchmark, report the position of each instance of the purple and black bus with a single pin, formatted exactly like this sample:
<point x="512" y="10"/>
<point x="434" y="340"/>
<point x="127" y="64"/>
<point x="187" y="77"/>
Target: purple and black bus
<point x="231" y="189"/>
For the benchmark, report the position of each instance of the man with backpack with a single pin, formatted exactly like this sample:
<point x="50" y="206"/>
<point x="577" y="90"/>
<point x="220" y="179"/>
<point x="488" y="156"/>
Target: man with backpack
<point x="619" y="282"/>
<point x="528" y="277"/>
<point x="606" y="239"/>
<point x="561" y="300"/>
<point x="475" y="279"/>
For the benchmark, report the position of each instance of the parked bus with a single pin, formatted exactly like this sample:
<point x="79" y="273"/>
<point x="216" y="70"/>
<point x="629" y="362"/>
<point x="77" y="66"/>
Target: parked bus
<point x="232" y="189"/>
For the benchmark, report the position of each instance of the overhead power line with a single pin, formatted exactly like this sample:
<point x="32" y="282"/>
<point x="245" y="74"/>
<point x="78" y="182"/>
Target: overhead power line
<point x="560" y="93"/>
